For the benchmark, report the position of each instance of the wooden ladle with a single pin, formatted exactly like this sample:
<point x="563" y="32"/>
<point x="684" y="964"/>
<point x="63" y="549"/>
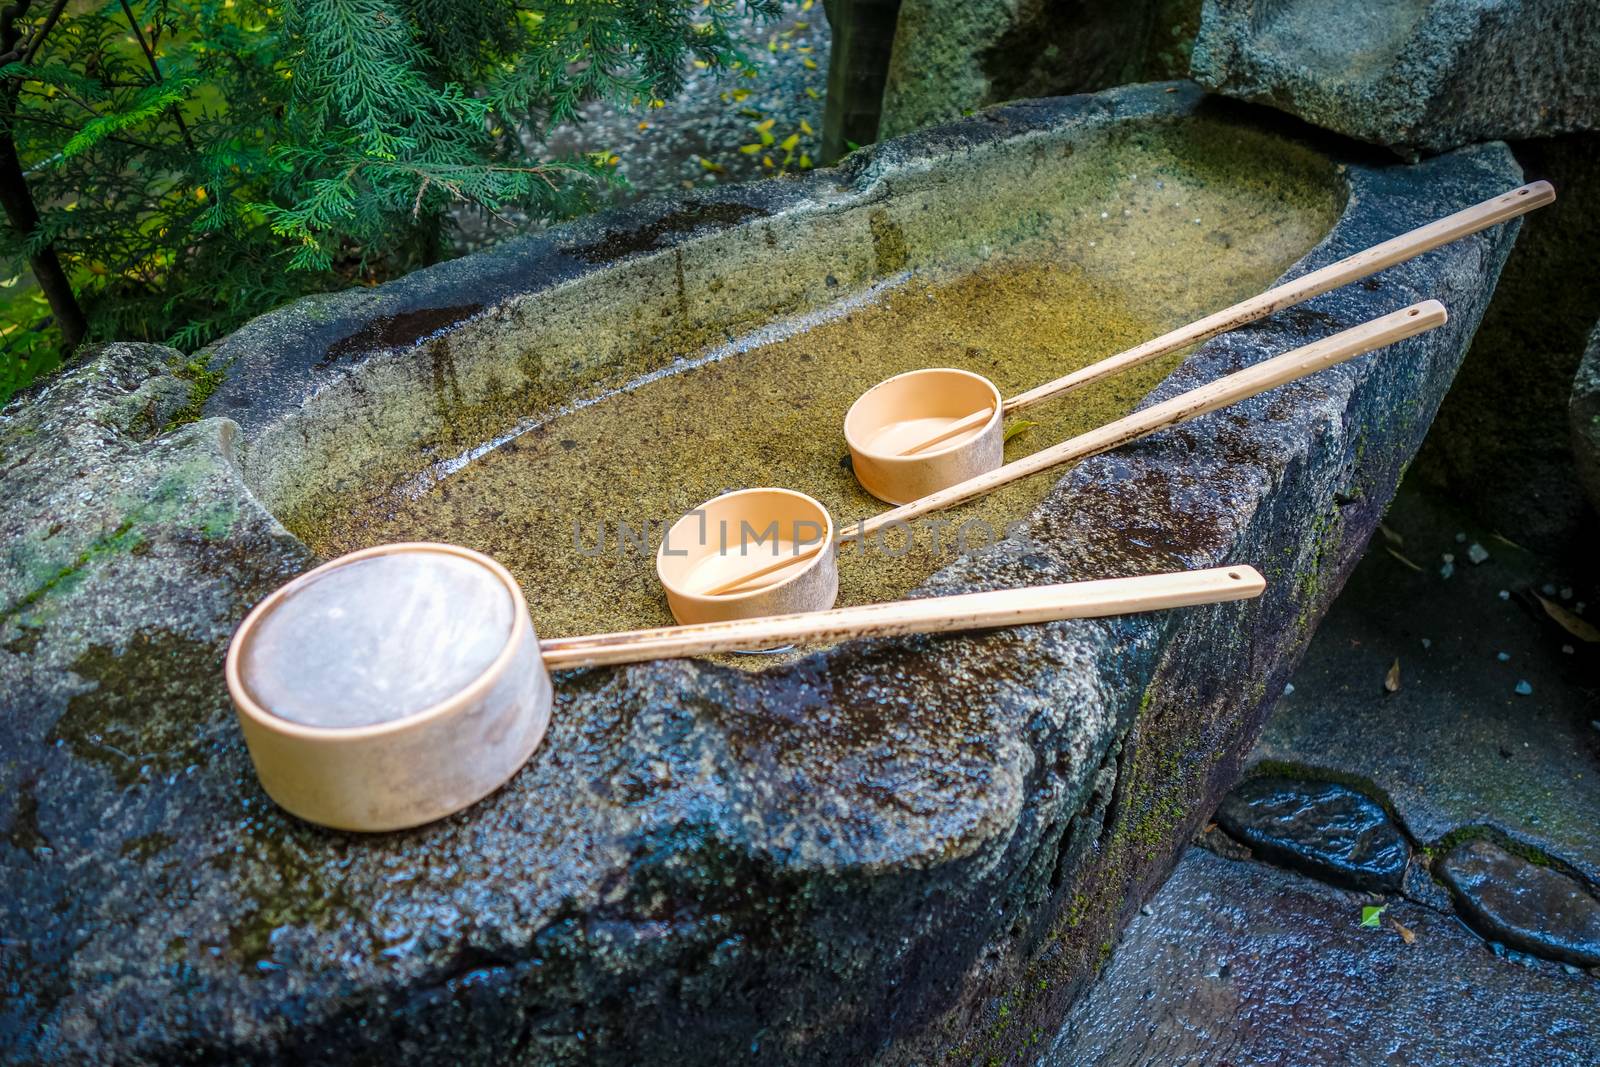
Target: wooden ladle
<point x="401" y="683"/>
<point x="941" y="614"/>
<point x="923" y="430"/>
<point x="804" y="575"/>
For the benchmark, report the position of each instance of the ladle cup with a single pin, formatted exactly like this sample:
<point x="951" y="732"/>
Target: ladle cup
<point x="805" y="578"/>
<point x="924" y="430"/>
<point x="746" y="528"/>
<point x="330" y="641"/>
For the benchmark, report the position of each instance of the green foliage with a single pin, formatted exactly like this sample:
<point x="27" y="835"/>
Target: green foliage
<point x="27" y="347"/>
<point x="195" y="162"/>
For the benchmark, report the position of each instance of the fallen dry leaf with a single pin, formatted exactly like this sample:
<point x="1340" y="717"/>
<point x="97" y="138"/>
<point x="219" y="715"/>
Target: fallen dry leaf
<point x="1574" y="624"/>
<point x="1503" y="539"/>
<point x="1405" y="934"/>
<point x="1391" y="681"/>
<point x="1402" y="559"/>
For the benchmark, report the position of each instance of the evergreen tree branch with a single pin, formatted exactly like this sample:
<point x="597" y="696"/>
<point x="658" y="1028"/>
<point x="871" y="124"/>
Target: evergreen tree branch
<point x="50" y="20"/>
<point x="155" y="70"/>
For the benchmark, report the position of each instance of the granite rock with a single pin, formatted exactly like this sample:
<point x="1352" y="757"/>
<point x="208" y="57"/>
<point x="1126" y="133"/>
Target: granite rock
<point x="881" y="851"/>
<point x="1415" y="75"/>
<point x="950" y="58"/>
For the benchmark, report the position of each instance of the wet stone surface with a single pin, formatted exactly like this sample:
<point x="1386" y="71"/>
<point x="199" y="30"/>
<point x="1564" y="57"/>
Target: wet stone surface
<point x="880" y="846"/>
<point x="1458" y="744"/>
<point x="1324" y="829"/>
<point x="1249" y="965"/>
<point x="1522" y="904"/>
<point x="1494" y="787"/>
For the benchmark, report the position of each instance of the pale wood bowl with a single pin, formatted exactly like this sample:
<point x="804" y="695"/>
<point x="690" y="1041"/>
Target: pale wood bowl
<point x="915" y="406"/>
<point x="743" y="534"/>
<point x="409" y="770"/>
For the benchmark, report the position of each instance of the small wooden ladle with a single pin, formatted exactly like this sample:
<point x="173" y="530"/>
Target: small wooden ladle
<point x="923" y="430"/>
<point x="804" y="576"/>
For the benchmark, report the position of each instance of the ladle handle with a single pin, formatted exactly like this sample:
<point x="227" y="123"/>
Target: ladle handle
<point x="965" y="424"/>
<point x="738" y="583"/>
<point x="1309" y="359"/>
<point x="967" y="611"/>
<point x="1408" y="245"/>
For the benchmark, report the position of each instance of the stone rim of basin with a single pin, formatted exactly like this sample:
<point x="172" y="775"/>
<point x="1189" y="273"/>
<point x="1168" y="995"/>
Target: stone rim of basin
<point x="707" y="843"/>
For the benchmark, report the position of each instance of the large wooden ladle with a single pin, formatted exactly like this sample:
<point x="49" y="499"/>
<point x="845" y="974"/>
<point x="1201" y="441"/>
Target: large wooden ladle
<point x="402" y="683"/>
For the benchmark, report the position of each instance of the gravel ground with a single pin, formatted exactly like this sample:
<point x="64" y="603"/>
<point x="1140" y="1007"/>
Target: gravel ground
<point x="727" y="126"/>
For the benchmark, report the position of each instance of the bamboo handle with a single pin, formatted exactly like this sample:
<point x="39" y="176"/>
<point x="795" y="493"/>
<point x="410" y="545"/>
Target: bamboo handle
<point x="967" y="611"/>
<point x="737" y="585"/>
<point x="1408" y="245"/>
<point x="955" y="429"/>
<point x="1309" y="359"/>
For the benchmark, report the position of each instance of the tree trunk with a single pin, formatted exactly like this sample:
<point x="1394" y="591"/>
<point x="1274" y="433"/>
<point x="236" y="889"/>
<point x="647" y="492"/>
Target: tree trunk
<point x="15" y="196"/>
<point x="858" y="66"/>
<point x="47" y="270"/>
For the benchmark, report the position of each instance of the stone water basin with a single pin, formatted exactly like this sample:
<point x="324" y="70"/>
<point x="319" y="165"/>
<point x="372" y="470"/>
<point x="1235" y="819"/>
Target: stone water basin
<point x="1078" y="250"/>
<point x="893" y="851"/>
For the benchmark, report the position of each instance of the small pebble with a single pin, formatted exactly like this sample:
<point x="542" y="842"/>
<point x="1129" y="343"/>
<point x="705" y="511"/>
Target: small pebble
<point x="1477" y="553"/>
<point x="1504" y="657"/>
<point x="1461" y="538"/>
<point x="1427" y="642"/>
<point x="1105" y="214"/>
<point x="1449" y="557"/>
<point x="1524" y="689"/>
<point x="1447" y="570"/>
<point x="1288" y="689"/>
<point x="1548" y="589"/>
<point x="1505" y="594"/>
<point x="1566" y="592"/>
<point x="1567" y="649"/>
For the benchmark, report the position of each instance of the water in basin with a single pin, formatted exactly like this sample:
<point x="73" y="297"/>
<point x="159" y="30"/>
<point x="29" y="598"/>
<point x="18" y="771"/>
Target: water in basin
<point x="1171" y="231"/>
